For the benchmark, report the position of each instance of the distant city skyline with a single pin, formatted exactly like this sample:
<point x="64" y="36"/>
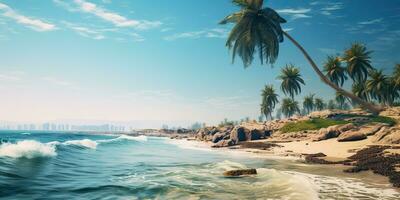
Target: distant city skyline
<point x="131" y="60"/>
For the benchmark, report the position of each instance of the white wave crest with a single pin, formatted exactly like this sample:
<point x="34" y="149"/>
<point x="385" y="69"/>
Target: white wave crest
<point x="140" y="138"/>
<point x="83" y="143"/>
<point x="27" y="149"/>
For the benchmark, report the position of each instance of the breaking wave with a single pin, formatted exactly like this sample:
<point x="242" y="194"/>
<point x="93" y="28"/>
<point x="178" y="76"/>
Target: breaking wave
<point x="27" y="149"/>
<point x="34" y="149"/>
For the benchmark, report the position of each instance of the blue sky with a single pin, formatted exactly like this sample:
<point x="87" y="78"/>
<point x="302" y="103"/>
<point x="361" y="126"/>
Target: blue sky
<point x="165" y="60"/>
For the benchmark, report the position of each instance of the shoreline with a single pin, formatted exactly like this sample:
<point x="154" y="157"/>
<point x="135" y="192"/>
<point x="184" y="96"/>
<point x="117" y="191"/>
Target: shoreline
<point x="294" y="151"/>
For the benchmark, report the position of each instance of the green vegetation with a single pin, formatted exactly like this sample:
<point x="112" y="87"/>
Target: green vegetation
<point x="312" y="124"/>
<point x="378" y="119"/>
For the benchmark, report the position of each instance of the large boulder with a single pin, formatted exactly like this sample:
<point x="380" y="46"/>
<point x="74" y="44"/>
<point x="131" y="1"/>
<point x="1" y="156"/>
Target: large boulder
<point x="224" y="143"/>
<point x="387" y="135"/>
<point x="217" y="137"/>
<point x="239" y="134"/>
<point x="255" y="134"/>
<point x="352" y="135"/>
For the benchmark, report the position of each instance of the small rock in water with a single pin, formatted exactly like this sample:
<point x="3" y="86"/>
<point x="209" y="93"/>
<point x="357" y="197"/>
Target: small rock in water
<point x="240" y="172"/>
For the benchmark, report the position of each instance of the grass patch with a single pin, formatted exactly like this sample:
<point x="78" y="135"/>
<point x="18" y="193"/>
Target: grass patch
<point x="380" y="119"/>
<point x="312" y="124"/>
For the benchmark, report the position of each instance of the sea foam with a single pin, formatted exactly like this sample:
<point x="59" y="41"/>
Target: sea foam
<point x="27" y="149"/>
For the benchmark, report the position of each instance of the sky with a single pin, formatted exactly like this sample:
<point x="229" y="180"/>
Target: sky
<point x="166" y="60"/>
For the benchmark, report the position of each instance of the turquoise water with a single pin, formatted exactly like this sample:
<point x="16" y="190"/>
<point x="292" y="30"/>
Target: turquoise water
<point x="85" y="166"/>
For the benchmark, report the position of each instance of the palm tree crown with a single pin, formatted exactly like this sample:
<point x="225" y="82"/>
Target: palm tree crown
<point x="358" y="62"/>
<point x="308" y="103"/>
<point x="256" y="29"/>
<point x="380" y="88"/>
<point x="289" y="107"/>
<point x="334" y="70"/>
<point x="341" y="100"/>
<point x="319" y="104"/>
<point x="269" y="100"/>
<point x="360" y="89"/>
<point x="291" y="80"/>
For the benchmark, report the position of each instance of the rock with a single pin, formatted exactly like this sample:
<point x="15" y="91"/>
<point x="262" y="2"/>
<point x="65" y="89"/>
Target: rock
<point x="258" y="145"/>
<point x="240" y="172"/>
<point x="224" y="143"/>
<point x="352" y="135"/>
<point x="239" y="134"/>
<point x="371" y="129"/>
<point x="387" y="135"/>
<point x="346" y="127"/>
<point x="217" y="137"/>
<point x="332" y="132"/>
<point x="254" y="135"/>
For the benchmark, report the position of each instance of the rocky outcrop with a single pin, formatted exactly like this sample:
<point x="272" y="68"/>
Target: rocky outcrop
<point x="217" y="137"/>
<point x="239" y="134"/>
<point x="240" y="172"/>
<point x="332" y="131"/>
<point x="387" y="135"/>
<point x="224" y="143"/>
<point x="352" y="135"/>
<point x="371" y="129"/>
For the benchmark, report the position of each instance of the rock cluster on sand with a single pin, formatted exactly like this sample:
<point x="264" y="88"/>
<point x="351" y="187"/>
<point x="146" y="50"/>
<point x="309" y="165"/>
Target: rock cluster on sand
<point x="387" y="135"/>
<point x="231" y="135"/>
<point x="379" y="160"/>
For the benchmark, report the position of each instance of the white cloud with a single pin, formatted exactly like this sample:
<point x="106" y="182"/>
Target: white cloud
<point x="85" y="31"/>
<point x="115" y="18"/>
<point x="370" y="22"/>
<point x="295" y="13"/>
<point x="333" y="7"/>
<point x="207" y="33"/>
<point x="35" y="24"/>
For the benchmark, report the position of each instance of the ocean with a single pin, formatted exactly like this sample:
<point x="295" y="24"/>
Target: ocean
<point x="46" y="165"/>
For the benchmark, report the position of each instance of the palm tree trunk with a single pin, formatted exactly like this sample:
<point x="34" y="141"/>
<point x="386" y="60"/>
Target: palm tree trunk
<point x="369" y="106"/>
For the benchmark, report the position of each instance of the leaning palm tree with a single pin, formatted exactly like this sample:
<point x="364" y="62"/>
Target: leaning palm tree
<point x="289" y="107"/>
<point x="358" y="61"/>
<point x="380" y="87"/>
<point x="308" y="103"/>
<point x="258" y="29"/>
<point x="334" y="70"/>
<point x="269" y="101"/>
<point x="319" y="104"/>
<point x="291" y="80"/>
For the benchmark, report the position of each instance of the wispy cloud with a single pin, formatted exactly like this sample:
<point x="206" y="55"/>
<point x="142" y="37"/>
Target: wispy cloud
<point x="30" y="22"/>
<point x="295" y="13"/>
<point x="85" y="31"/>
<point x="207" y="33"/>
<point x="9" y="77"/>
<point x="372" y="21"/>
<point x="112" y="17"/>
